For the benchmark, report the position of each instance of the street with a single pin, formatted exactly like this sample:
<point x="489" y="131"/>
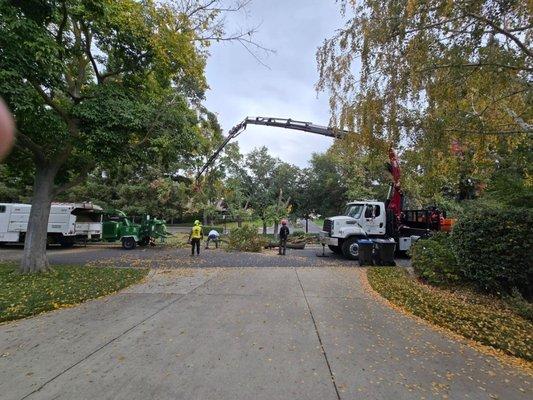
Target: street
<point x="297" y="327"/>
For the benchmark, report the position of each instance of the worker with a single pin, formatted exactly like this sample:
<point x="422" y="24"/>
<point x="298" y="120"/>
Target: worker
<point x="195" y="237"/>
<point x="212" y="236"/>
<point x="283" y="235"/>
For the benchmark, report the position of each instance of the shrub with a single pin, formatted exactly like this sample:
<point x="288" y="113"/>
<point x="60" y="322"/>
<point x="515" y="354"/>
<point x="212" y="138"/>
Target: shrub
<point x="519" y="305"/>
<point x="434" y="261"/>
<point x="493" y="248"/>
<point x="246" y="238"/>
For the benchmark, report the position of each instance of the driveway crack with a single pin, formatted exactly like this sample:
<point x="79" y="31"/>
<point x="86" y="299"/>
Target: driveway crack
<point x="319" y="338"/>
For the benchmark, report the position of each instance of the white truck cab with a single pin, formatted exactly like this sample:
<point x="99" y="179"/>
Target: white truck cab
<point x="361" y="219"/>
<point x="370" y="219"/>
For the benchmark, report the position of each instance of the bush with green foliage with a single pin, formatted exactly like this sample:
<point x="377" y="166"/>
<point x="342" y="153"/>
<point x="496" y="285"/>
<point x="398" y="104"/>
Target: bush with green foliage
<point x="246" y="238"/>
<point x="493" y="248"/>
<point x="434" y="261"/>
<point x="520" y="305"/>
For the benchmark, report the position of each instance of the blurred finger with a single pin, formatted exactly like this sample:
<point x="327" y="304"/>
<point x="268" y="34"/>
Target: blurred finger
<point x="7" y="130"/>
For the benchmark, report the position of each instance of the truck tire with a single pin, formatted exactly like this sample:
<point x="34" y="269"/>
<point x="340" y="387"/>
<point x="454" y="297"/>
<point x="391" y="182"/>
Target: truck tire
<point x="128" y="243"/>
<point x="350" y="248"/>
<point x="335" y="249"/>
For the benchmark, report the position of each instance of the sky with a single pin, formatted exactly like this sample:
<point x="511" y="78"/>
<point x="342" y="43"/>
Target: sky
<point x="241" y="86"/>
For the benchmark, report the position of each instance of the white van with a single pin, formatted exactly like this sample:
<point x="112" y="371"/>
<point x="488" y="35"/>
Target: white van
<point x="68" y="222"/>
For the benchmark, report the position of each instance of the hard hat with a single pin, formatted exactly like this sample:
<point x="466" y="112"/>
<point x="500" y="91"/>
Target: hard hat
<point x="196" y="222"/>
<point x="283" y="222"/>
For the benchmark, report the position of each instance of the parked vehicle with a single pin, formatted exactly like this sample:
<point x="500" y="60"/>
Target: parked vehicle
<point x="362" y="219"/>
<point x="67" y="223"/>
<point x="118" y="227"/>
<point x="371" y="219"/>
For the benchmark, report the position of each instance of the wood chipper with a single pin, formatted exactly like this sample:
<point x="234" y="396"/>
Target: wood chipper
<point x="117" y="226"/>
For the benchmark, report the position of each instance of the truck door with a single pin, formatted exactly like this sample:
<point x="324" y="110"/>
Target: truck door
<point x="5" y="234"/>
<point x="374" y="219"/>
<point x="4" y="218"/>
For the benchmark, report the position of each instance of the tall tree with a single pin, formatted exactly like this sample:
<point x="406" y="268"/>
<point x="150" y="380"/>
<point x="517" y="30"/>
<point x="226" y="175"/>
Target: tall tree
<point x="258" y="182"/>
<point x="89" y="82"/>
<point x="323" y="187"/>
<point x="208" y="190"/>
<point x="434" y="75"/>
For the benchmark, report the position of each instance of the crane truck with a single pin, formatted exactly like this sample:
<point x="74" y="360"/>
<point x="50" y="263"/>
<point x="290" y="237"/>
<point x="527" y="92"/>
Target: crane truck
<point x="361" y="219"/>
<point x="371" y="219"/>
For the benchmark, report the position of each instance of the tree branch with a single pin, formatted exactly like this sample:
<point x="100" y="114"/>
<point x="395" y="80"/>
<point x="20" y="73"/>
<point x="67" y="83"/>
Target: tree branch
<point x="75" y="181"/>
<point x="519" y="121"/>
<point x="208" y="7"/>
<point x="506" y="96"/>
<point x="26" y="143"/>
<point x="475" y="65"/>
<point x="503" y="31"/>
<point x="203" y="7"/>
<point x="49" y="101"/>
<point x="88" y="41"/>
<point x="62" y="25"/>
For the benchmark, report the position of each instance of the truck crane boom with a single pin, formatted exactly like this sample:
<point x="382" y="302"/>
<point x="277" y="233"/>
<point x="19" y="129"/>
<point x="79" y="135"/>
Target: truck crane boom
<point x="275" y="122"/>
<point x="395" y="198"/>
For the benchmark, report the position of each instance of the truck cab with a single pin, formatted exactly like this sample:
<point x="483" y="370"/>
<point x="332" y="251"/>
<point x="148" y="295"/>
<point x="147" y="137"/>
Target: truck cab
<point x="361" y="219"/>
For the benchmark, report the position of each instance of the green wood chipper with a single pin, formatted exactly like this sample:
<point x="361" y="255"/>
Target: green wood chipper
<point x="117" y="226"/>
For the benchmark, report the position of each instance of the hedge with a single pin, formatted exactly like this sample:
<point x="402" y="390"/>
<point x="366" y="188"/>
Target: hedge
<point x="434" y="261"/>
<point x="493" y="249"/>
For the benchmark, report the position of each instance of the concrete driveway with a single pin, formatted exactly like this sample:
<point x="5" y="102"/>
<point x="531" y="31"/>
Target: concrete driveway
<point x="244" y="333"/>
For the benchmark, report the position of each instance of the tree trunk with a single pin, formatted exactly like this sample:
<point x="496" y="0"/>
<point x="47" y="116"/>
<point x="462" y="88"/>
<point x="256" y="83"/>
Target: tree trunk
<point x="205" y="218"/>
<point x="34" y="257"/>
<point x="239" y="222"/>
<point x="306" y="224"/>
<point x="276" y="226"/>
<point x="264" y="227"/>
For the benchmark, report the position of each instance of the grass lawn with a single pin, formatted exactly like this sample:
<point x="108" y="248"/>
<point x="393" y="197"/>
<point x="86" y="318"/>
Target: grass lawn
<point x="484" y="319"/>
<point x="25" y="295"/>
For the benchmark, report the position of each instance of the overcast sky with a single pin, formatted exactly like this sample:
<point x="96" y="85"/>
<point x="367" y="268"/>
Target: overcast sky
<point x="241" y="87"/>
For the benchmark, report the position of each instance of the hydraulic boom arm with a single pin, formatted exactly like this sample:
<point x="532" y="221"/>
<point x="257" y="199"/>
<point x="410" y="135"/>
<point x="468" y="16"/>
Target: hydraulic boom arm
<point x="275" y="122"/>
<point x="395" y="195"/>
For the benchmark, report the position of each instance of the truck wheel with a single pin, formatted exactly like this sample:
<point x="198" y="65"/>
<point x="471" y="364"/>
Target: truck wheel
<point x="335" y="249"/>
<point x="128" y="243"/>
<point x="350" y="248"/>
<point x="66" y="244"/>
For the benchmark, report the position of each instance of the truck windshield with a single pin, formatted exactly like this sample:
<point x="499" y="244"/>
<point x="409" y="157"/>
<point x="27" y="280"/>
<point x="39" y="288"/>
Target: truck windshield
<point x="354" y="210"/>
